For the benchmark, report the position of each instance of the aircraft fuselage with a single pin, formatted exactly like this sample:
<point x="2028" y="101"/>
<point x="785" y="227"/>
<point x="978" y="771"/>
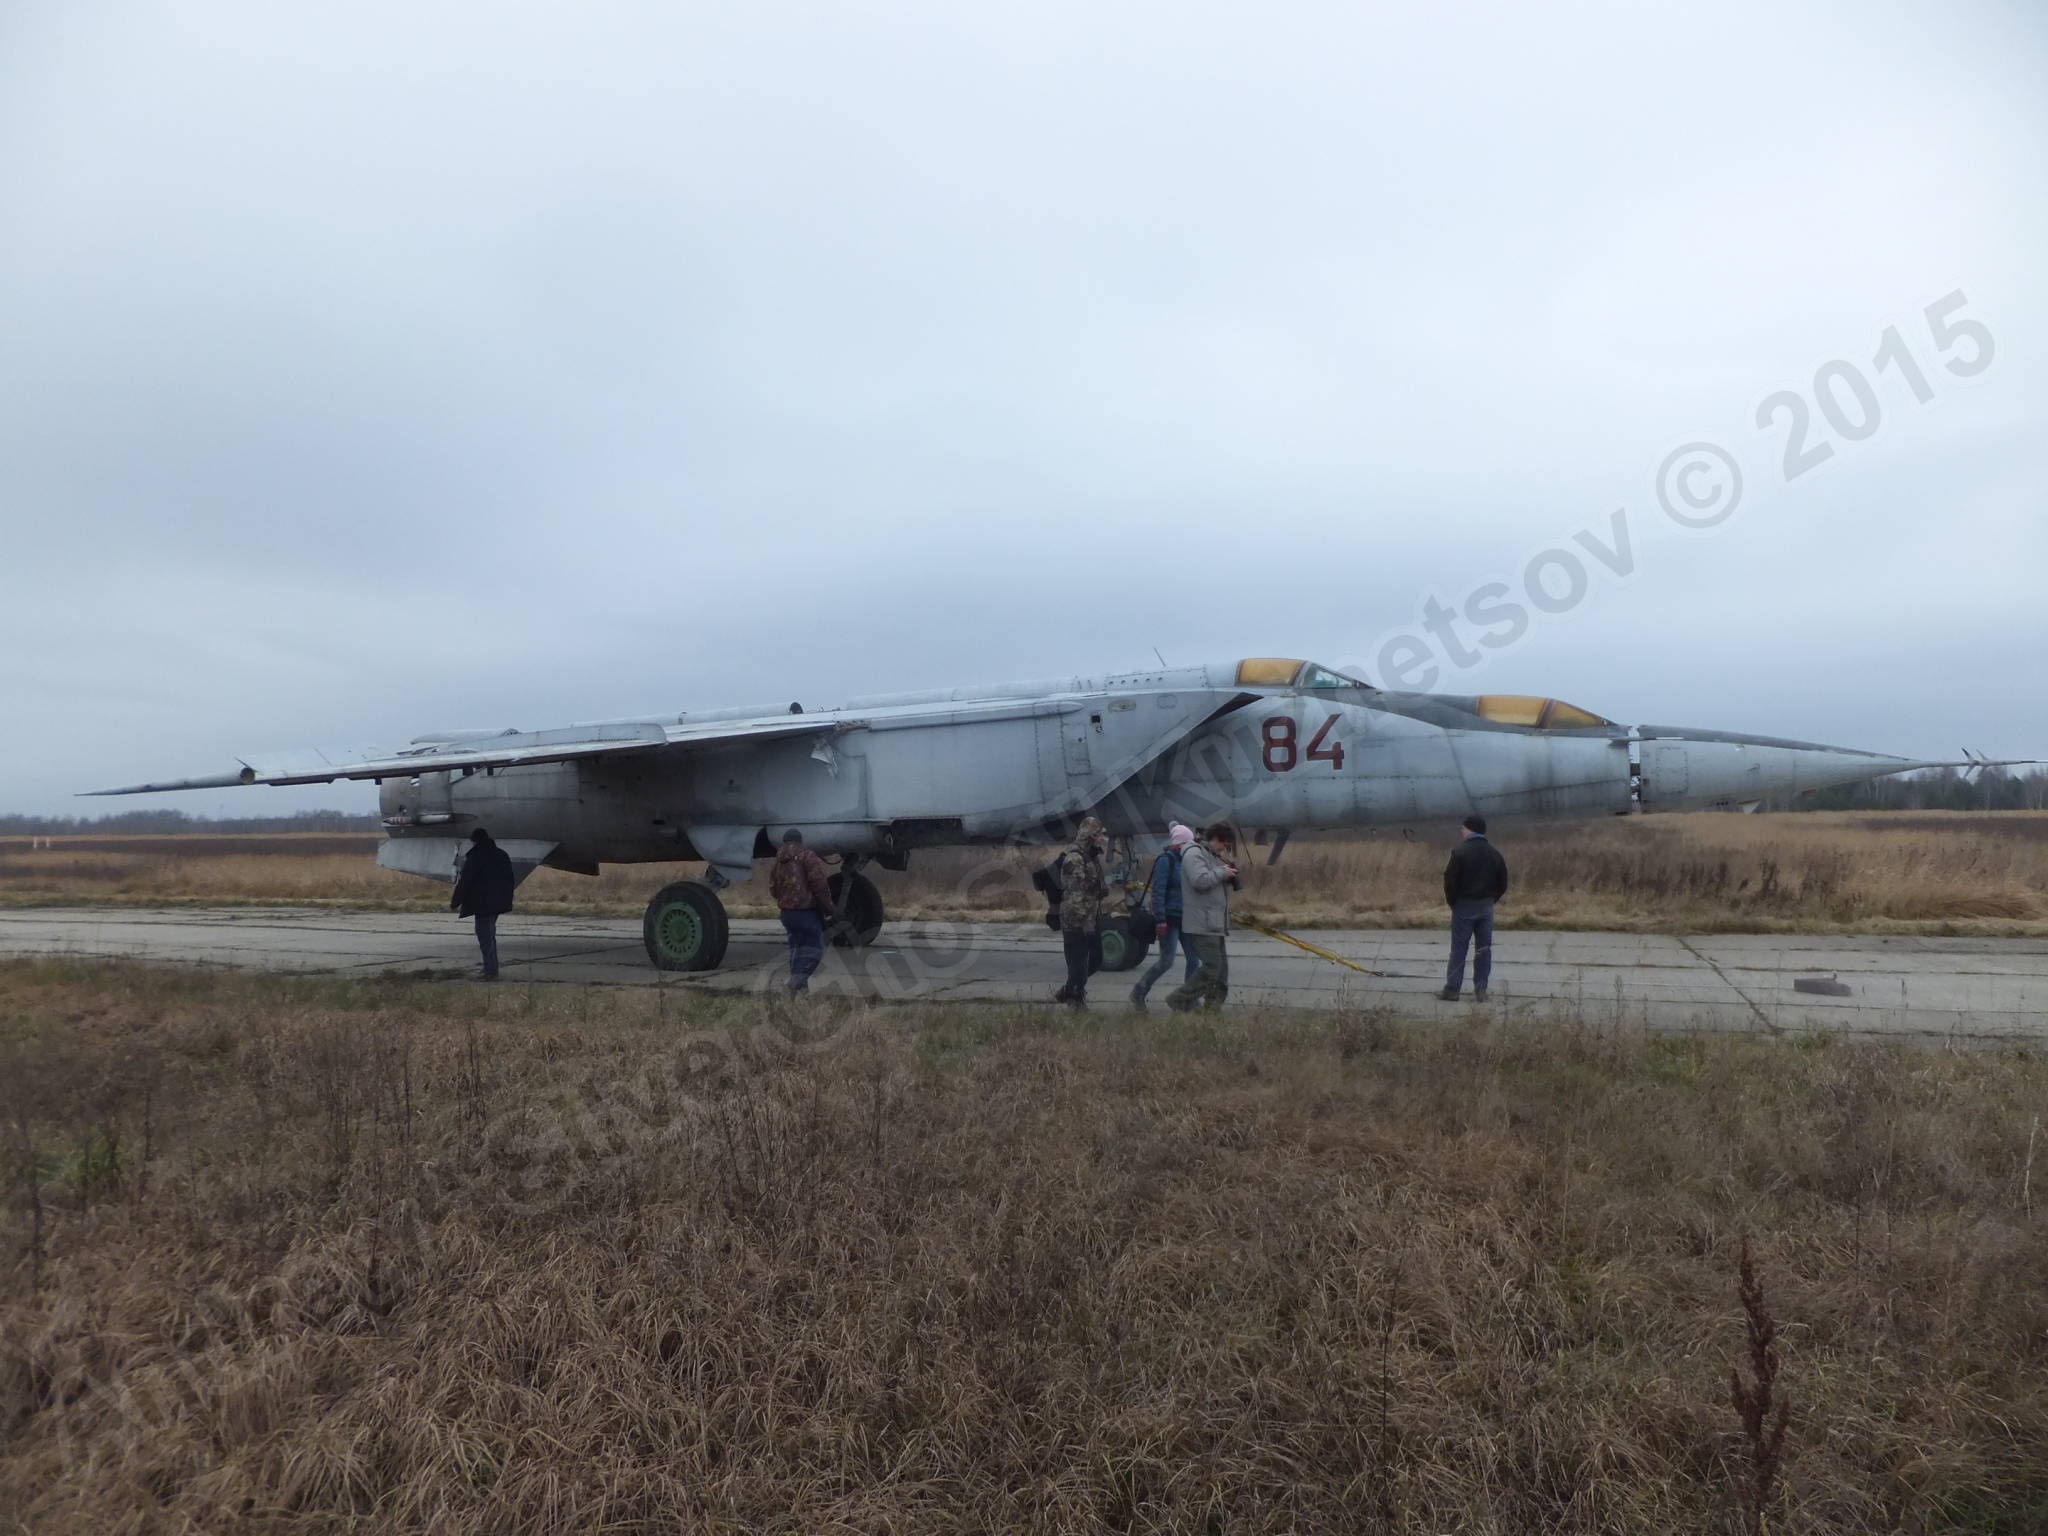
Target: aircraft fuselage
<point x="1020" y="763"/>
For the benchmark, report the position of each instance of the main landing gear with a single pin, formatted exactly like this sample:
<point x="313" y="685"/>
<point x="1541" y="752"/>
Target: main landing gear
<point x="857" y="906"/>
<point x="686" y="927"/>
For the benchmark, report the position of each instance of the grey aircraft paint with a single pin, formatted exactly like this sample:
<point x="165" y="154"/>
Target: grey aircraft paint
<point x="1272" y="745"/>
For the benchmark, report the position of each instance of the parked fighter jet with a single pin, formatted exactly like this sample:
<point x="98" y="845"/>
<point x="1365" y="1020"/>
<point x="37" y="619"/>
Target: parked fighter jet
<point x="1276" y="746"/>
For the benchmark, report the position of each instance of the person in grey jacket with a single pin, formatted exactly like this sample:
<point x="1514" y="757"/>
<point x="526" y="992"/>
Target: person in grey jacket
<point x="1207" y="877"/>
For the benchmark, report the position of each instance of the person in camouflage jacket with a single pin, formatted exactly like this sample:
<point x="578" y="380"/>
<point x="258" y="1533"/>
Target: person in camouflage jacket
<point x="1081" y="893"/>
<point x="803" y="895"/>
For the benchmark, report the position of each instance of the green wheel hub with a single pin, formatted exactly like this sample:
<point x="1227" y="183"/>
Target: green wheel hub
<point x="1123" y="945"/>
<point x="679" y="930"/>
<point x="685" y="928"/>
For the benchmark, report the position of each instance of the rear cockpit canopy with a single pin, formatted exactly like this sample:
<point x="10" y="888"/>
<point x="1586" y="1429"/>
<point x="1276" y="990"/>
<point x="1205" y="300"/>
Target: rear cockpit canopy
<point x="1526" y="711"/>
<point x="1537" y="714"/>
<point x="1288" y="672"/>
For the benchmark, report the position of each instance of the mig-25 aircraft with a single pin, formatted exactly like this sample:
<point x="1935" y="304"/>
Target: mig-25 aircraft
<point x="1276" y="746"/>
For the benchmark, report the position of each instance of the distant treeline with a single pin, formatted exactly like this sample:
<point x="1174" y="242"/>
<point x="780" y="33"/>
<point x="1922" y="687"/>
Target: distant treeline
<point x="1936" y="789"/>
<point x="171" y="823"/>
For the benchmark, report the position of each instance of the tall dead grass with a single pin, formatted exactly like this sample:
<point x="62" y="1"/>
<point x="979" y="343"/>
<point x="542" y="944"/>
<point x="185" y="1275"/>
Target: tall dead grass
<point x="377" y="1256"/>
<point x="1927" y="872"/>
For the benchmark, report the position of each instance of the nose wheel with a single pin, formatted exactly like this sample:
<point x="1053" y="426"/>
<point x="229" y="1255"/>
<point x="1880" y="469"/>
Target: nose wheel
<point x="1125" y="940"/>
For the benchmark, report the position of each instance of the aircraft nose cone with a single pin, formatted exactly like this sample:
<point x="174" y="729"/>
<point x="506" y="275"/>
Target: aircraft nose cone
<point x="1687" y="768"/>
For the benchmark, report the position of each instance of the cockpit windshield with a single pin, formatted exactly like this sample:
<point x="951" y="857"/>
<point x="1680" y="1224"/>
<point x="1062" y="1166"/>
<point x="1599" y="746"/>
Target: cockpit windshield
<point x="1313" y="676"/>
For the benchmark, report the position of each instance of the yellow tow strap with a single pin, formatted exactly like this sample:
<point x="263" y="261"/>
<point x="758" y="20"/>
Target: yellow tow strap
<point x="1321" y="954"/>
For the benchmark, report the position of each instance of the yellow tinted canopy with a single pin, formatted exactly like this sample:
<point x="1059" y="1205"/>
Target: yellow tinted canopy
<point x="1267" y="672"/>
<point x="1287" y="672"/>
<point x="1540" y="714"/>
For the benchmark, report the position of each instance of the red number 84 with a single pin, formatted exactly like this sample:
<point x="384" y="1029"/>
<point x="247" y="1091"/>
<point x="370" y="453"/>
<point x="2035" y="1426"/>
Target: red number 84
<point x="1278" y="736"/>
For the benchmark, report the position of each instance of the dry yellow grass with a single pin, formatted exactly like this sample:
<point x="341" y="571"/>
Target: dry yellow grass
<point x="1919" y="871"/>
<point x="1926" y="872"/>
<point x="318" y="1257"/>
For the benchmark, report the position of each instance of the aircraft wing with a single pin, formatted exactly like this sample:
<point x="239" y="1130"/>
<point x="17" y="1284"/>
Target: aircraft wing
<point x="509" y="749"/>
<point x="475" y="751"/>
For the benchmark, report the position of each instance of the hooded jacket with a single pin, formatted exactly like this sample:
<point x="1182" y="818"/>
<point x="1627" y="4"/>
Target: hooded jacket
<point x="1205" y="888"/>
<point x="1081" y="883"/>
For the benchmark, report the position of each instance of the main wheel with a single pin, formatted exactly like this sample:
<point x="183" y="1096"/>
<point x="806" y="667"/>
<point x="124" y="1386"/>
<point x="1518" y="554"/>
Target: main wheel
<point x="686" y="928"/>
<point x="864" y="915"/>
<point x="1124" y="942"/>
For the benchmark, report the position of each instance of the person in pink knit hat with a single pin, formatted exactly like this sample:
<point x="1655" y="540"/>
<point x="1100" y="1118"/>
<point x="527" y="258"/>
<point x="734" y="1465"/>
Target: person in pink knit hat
<point x="1166" y="911"/>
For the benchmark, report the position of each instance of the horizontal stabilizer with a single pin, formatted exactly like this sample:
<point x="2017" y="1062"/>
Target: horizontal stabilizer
<point x="440" y="858"/>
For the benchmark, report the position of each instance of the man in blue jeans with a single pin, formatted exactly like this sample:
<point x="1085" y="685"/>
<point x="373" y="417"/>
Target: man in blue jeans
<point x="483" y="890"/>
<point x="803" y="895"/>
<point x="1474" y="880"/>
<point x="1166" y="909"/>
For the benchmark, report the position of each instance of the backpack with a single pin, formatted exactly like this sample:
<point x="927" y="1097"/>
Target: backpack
<point x="1047" y="882"/>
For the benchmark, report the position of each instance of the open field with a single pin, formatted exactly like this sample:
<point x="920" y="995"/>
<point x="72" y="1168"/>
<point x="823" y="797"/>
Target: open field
<point x="1831" y="872"/>
<point x="312" y="1256"/>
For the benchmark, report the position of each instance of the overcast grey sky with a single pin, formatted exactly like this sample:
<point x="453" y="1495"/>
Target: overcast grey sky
<point x="368" y="370"/>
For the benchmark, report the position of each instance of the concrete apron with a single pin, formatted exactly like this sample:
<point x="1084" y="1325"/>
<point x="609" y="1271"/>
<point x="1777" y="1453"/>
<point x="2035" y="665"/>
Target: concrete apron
<point x="1918" y="987"/>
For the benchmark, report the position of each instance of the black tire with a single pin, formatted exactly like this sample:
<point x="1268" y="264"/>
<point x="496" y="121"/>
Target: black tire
<point x="1124" y="942"/>
<point x="686" y="928"/>
<point x="864" y="914"/>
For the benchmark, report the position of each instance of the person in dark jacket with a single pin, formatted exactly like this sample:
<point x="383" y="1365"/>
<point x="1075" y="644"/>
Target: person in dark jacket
<point x="1475" y="878"/>
<point x="803" y="895"/>
<point x="1166" y="909"/>
<point x="484" y="891"/>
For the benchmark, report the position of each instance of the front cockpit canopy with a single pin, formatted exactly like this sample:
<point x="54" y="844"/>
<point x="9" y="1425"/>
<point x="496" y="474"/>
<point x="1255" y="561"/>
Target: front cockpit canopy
<point x="1290" y="672"/>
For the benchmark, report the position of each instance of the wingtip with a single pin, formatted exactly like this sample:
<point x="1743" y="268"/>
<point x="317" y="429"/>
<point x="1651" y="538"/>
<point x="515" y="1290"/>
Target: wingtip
<point x="171" y="786"/>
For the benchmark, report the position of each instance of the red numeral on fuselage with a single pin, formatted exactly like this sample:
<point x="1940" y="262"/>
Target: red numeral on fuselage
<point x="1320" y="751"/>
<point x="1279" y="735"/>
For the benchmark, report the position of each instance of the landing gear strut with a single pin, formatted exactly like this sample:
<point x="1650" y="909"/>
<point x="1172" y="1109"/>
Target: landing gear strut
<point x="1126" y="925"/>
<point x="857" y="914"/>
<point x="686" y="928"/>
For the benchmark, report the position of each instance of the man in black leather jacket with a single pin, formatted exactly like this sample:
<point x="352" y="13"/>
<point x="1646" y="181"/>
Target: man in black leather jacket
<point x="484" y="891"/>
<point x="1475" y="878"/>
